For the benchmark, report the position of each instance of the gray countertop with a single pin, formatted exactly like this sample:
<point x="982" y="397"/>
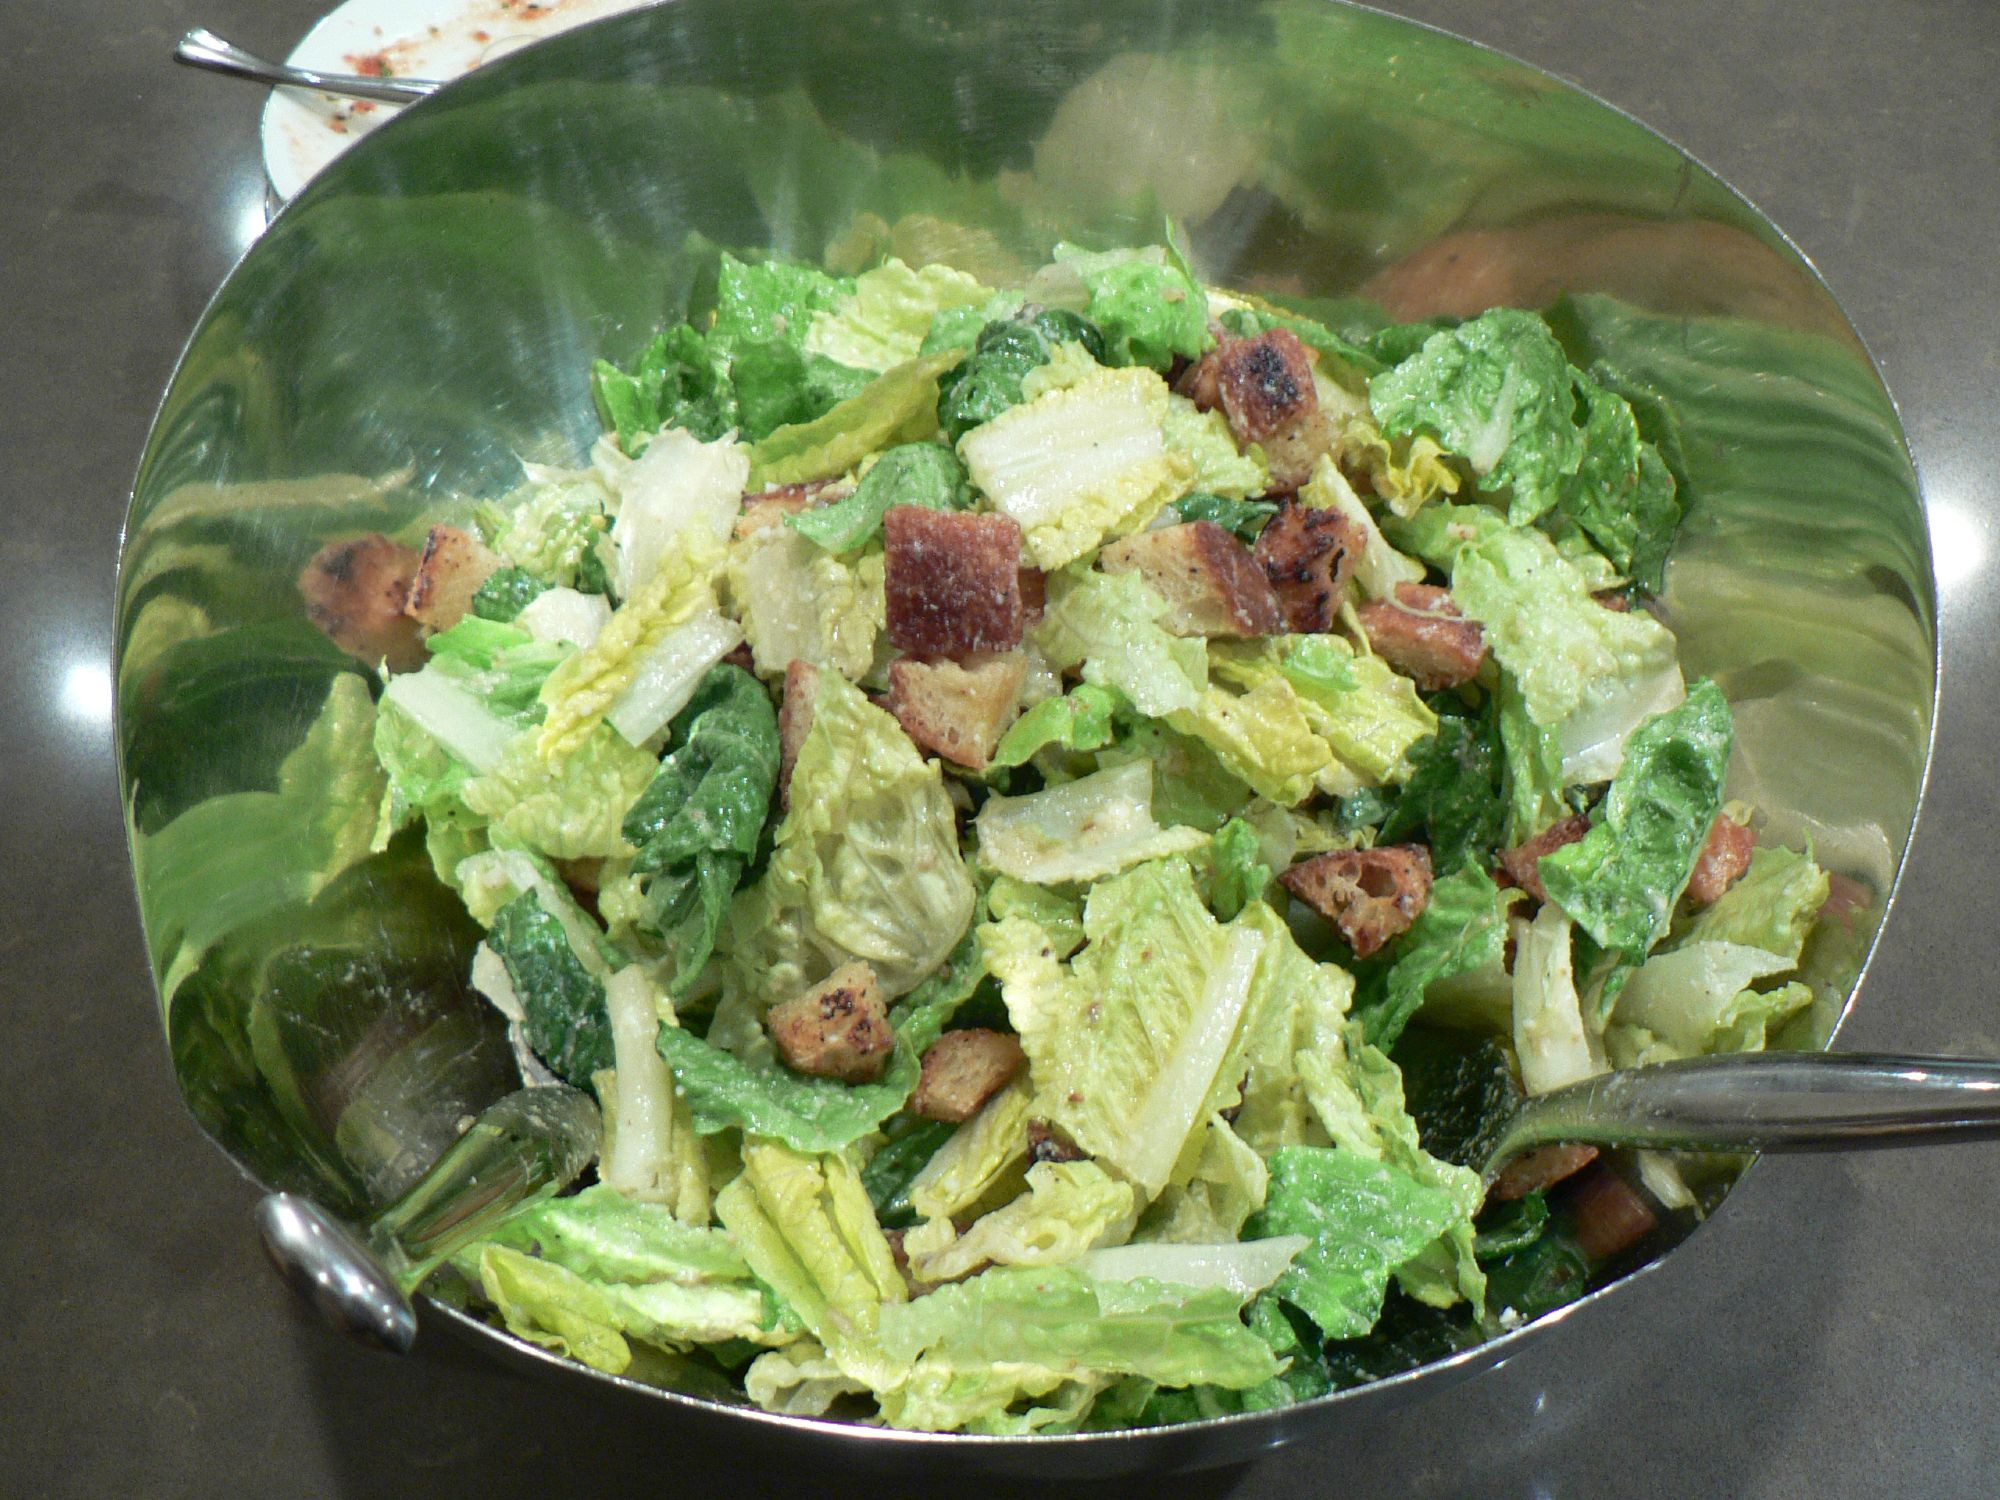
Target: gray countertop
<point x="1833" y="1333"/>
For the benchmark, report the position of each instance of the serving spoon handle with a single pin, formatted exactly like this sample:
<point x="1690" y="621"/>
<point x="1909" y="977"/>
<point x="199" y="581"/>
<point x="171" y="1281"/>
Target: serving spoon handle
<point x="202" y="48"/>
<point x="1769" y="1101"/>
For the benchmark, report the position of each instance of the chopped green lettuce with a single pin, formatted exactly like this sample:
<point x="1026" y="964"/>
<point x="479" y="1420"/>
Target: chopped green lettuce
<point x="651" y="1152"/>
<point x="1069" y="1208"/>
<point x="678" y="486"/>
<point x="1245" y="519"/>
<point x="983" y="1157"/>
<point x="925" y="474"/>
<point x="866" y="865"/>
<point x="1108" y="625"/>
<point x="1772" y="906"/>
<point x="1081" y="830"/>
<point x="1150" y="310"/>
<point x="1462" y="930"/>
<point x="1698" y="998"/>
<point x="1128" y="1043"/>
<point x="1081" y="465"/>
<point x="1554" y="1042"/>
<point x="799" y="603"/>
<point x="678" y="381"/>
<point x="1456" y="794"/>
<point x="696" y="823"/>
<point x="1620" y="882"/>
<point x="1623" y="495"/>
<point x="1217" y="466"/>
<point x="1225" y="1187"/>
<point x="757" y="302"/>
<point x="569" y="809"/>
<point x="884" y="321"/>
<point x="1079" y="720"/>
<point x="552" y="529"/>
<point x="897" y="406"/>
<point x="564" y="1018"/>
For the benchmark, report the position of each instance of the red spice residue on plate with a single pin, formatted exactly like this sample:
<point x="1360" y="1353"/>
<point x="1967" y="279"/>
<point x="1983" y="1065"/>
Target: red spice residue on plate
<point x="371" y="64"/>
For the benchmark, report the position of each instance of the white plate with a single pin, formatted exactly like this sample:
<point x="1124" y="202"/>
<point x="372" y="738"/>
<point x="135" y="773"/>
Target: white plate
<point x="304" y="130"/>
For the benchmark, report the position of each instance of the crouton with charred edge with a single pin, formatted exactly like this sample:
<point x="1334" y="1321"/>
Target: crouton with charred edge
<point x="355" y="592"/>
<point x="1210" y="581"/>
<point x="1034" y="595"/>
<point x="837" y="1029"/>
<point x="962" y="1070"/>
<point x="1722" y="861"/>
<point x="1371" y="895"/>
<point x="1538" y="1170"/>
<point x="957" y="710"/>
<point x="1263" y="384"/>
<point x="1309" y="555"/>
<point x="1423" y="635"/>
<point x="795" y="721"/>
<point x="953" y="581"/>
<point x="1522" y="865"/>
<point x="1047" y="1143"/>
<point x="455" y="563"/>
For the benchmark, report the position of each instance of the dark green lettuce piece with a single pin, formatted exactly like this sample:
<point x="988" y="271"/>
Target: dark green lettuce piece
<point x="1234" y="869"/>
<point x="1464" y="928"/>
<point x="1456" y="793"/>
<point x="1623" y="495"/>
<point x="926" y="474"/>
<point x="679" y="380"/>
<point x="778" y="385"/>
<point x="989" y="381"/>
<point x="1245" y="519"/>
<point x="1080" y="720"/>
<point x="1620" y="882"/>
<point x="697" y="824"/>
<point x="887" y="1177"/>
<point x="757" y="302"/>
<point x="565" y="1022"/>
<point x="505" y="593"/>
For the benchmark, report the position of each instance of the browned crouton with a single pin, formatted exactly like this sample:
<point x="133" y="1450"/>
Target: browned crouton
<point x="1615" y="600"/>
<point x="1210" y="581"/>
<point x="1309" y="556"/>
<point x="355" y="592"/>
<point x="837" y="1029"/>
<point x="795" y="721"/>
<point x="1522" y="866"/>
<point x="1423" y="635"/>
<point x="1292" y="452"/>
<point x="1610" y="1218"/>
<point x="1263" y="384"/>
<point x="962" y="1070"/>
<point x="953" y="581"/>
<point x="957" y="711"/>
<point x="455" y="563"/>
<point x="1034" y="594"/>
<point x="1371" y="895"/>
<point x="1722" y="861"/>
<point x="1538" y="1170"/>
<point x="1047" y="1143"/>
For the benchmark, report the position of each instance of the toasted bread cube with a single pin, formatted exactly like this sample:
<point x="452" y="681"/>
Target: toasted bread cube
<point x="957" y="710"/>
<point x="1371" y="895"/>
<point x="1610" y="1217"/>
<point x="1539" y="1170"/>
<point x="953" y="581"/>
<point x="962" y="1070"/>
<point x="1210" y="581"/>
<point x="1309" y="555"/>
<point x="837" y="1029"/>
<point x="1423" y="635"/>
<point x="1722" y="861"/>
<point x="455" y="563"/>
<point x="1034" y="595"/>
<point x="1522" y="866"/>
<point x="355" y="592"/>
<point x="1292" y="452"/>
<point x="795" y="721"/>
<point x="1263" y="384"/>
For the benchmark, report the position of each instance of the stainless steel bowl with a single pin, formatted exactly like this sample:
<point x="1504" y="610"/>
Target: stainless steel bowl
<point x="424" y="316"/>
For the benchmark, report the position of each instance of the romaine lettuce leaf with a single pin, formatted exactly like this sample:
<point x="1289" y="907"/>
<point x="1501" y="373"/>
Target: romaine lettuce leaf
<point x="1259" y="730"/>
<point x="1217" y="466"/>
<point x="590" y="685"/>
<point x="1002" y="354"/>
<point x="799" y="603"/>
<point x="1224" y="1189"/>
<point x="1297" y="1011"/>
<point x="926" y="474"/>
<point x="1108" y="624"/>
<point x="1079" y="720"/>
<point x="1462" y="930"/>
<point x="1555" y="1044"/>
<point x="1623" y="494"/>
<point x="1080" y="465"/>
<point x="651" y="1152"/>
<point x="1244" y="519"/>
<point x="1772" y="906"/>
<point x="1150" y="311"/>
<point x="676" y="381"/>
<point x="550" y="529"/>
<point x="568" y="809"/>
<point x="779" y="385"/>
<point x="1128" y="1042"/>
<point x="564" y="1017"/>
<point x="696" y="824"/>
<point x="866" y="864"/>
<point x="1364" y="1219"/>
<point x="605" y="1234"/>
<point x="1455" y="794"/>
<point x="884" y="320"/>
<point x="506" y="592"/>
<point x="898" y="406"/>
<point x="756" y="302"/>
<point x="1495" y="390"/>
<point x="1589" y="676"/>
<point x="1081" y="830"/>
<point x="808" y="1231"/>
<point x="1620" y="882"/>
<point x="678" y="486"/>
<point x="1698" y="998"/>
<point x="1069" y="1208"/>
<point x="984" y="1157"/>
<point x="1236" y="872"/>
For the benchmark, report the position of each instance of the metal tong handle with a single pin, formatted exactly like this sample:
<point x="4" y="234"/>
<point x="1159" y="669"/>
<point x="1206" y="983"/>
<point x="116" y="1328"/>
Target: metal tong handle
<point x="528" y="1146"/>
<point x="1773" y="1101"/>
<point x="202" y="48"/>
